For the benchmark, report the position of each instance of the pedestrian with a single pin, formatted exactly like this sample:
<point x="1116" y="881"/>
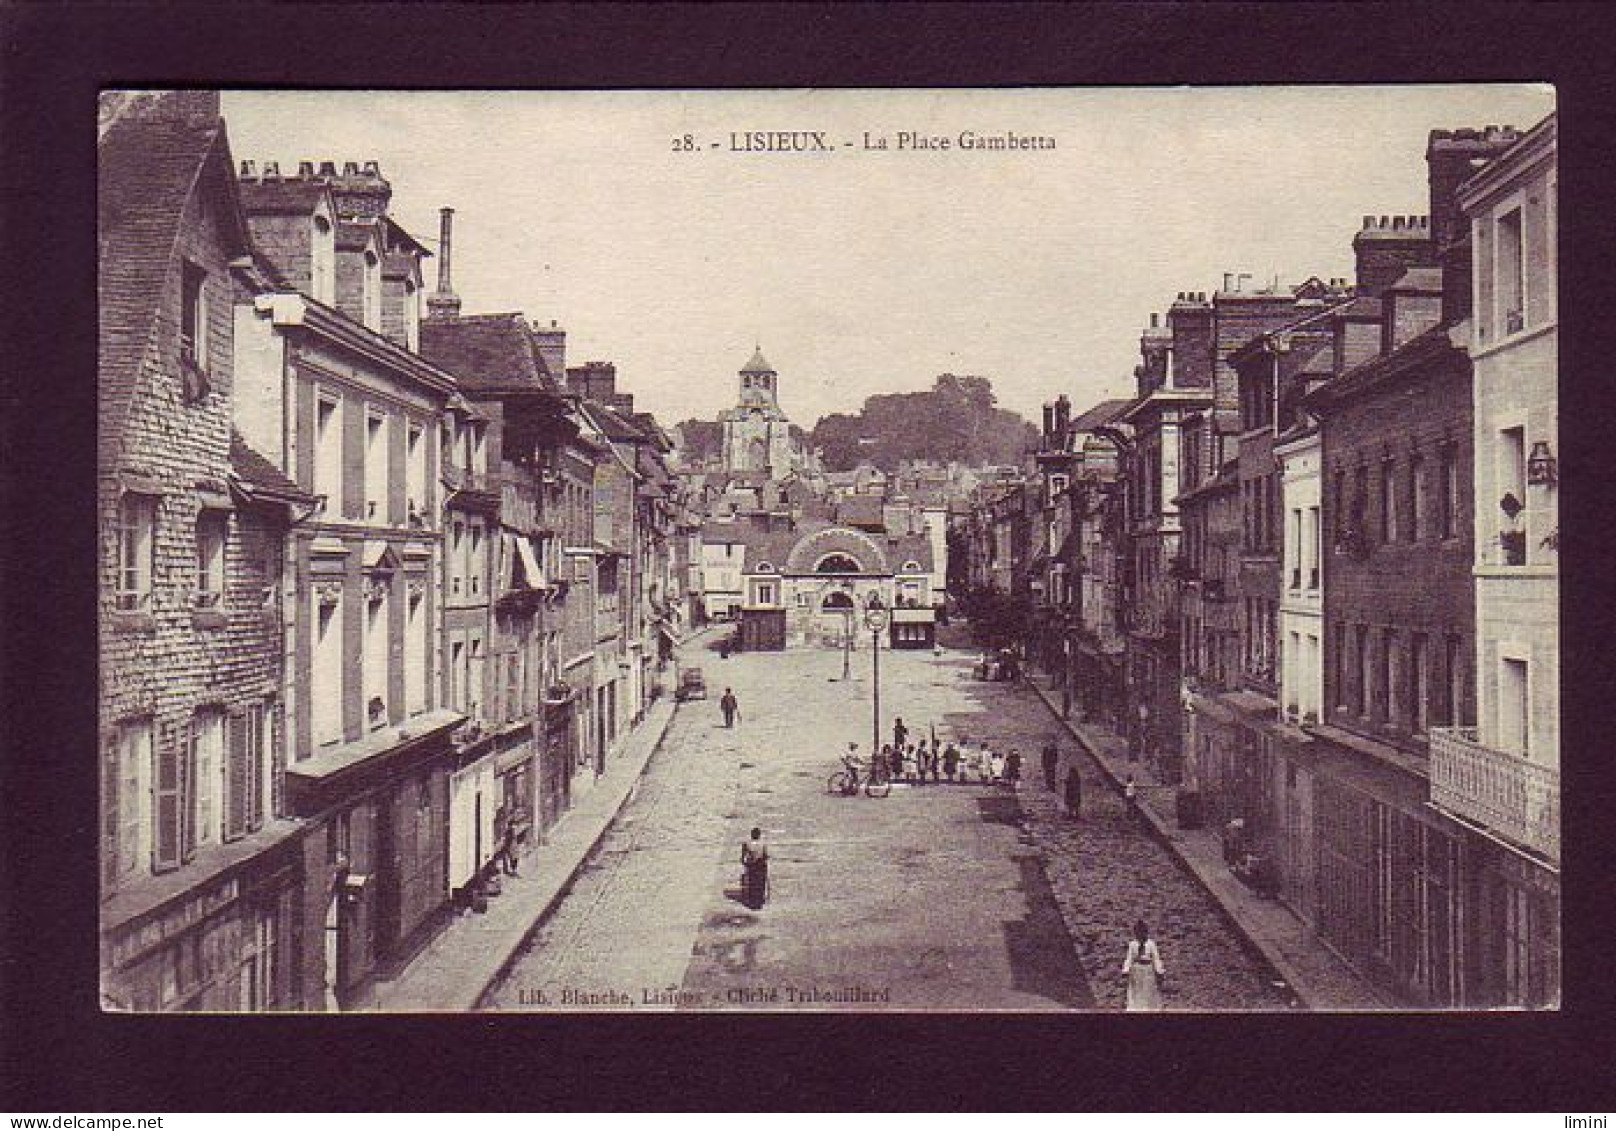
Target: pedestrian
<point x="951" y="758"/>
<point x="1012" y="768"/>
<point x="922" y="761"/>
<point x="723" y="648"/>
<point x="1074" y="793"/>
<point x="900" y="733"/>
<point x="1143" y="969"/>
<point x="911" y="760"/>
<point x="898" y="759"/>
<point x="730" y="706"/>
<point x="755" y="877"/>
<point x="885" y="761"/>
<point x="1130" y="797"/>
<point x="995" y="768"/>
<point x="507" y="847"/>
<point x="1051" y="762"/>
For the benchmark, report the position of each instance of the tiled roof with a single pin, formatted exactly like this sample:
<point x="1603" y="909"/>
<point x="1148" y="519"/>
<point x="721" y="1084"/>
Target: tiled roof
<point x="758" y="364"/>
<point x="147" y="168"/>
<point x="1432" y="348"/>
<point x="259" y="475"/>
<point x="860" y="510"/>
<point x="1103" y="413"/>
<point x="487" y="352"/>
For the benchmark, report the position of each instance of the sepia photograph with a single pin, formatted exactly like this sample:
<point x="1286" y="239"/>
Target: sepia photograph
<point x="957" y="551"/>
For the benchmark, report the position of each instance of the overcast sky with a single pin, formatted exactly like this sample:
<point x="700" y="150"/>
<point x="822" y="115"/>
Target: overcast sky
<point x="859" y="271"/>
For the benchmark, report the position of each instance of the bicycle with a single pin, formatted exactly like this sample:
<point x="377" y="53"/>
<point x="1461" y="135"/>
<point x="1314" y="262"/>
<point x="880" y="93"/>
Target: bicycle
<point x="846" y="782"/>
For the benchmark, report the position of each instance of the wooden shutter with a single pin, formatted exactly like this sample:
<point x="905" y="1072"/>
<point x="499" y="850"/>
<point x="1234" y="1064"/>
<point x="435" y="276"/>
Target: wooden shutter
<point x="255" y="767"/>
<point x="111" y="767"/>
<point x="168" y="792"/>
<point x="187" y="790"/>
<point x="235" y="777"/>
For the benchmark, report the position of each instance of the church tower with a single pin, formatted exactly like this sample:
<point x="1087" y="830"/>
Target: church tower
<point x="757" y="435"/>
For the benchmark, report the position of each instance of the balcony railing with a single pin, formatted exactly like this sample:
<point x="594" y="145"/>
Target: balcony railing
<point x="1517" y="799"/>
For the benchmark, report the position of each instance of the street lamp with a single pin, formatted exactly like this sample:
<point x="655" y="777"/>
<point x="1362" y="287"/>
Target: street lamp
<point x="875" y="617"/>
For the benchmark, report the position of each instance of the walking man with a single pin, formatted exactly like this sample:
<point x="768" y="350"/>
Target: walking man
<point x="1074" y="793"/>
<point x="1051" y="761"/>
<point x="899" y="733"/>
<point x="730" y="706"/>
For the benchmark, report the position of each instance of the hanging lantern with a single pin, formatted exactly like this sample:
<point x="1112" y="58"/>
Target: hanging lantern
<point x="1541" y="467"/>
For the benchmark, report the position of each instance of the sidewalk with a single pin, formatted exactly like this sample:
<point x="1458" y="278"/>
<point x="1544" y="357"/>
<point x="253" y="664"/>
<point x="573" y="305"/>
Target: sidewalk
<point x="463" y="963"/>
<point x="1317" y="977"/>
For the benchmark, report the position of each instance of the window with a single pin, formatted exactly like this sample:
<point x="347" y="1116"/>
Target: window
<point x="1455" y="692"/>
<point x="194" y="326"/>
<point x="1296" y="547"/>
<point x="126" y="804"/>
<point x="1311" y="536"/>
<point x="474" y="676"/>
<point x="416" y="676"/>
<point x="375" y="660"/>
<point x="1341" y="669"/>
<point x="478" y="453"/>
<point x="1418" y="519"/>
<point x="457" y="676"/>
<point x="1388" y="502"/>
<point x="1447" y="493"/>
<point x="326" y="685"/>
<point x="1385" y="681"/>
<point x="169" y="847"/>
<point x="457" y="556"/>
<point x="1514" y="707"/>
<point x="1342" y="507"/>
<point x="476" y="566"/>
<point x="415" y="474"/>
<point x="137" y="523"/>
<point x="1508" y="271"/>
<point x="245" y="776"/>
<point x="328" y="453"/>
<point x="376" y="476"/>
<point x="1361" y="661"/>
<point x="206" y="760"/>
<point x="1418" y="688"/>
<point x="212" y="528"/>
<point x="1512" y="486"/>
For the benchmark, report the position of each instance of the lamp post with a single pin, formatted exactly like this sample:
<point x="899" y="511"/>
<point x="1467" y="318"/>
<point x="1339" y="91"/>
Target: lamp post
<point x="875" y="617"/>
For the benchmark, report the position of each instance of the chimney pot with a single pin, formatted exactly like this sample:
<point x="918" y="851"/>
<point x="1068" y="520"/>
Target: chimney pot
<point x="328" y="168"/>
<point x="305" y="168"/>
<point x="350" y="168"/>
<point x="1155" y="321"/>
<point x="272" y="170"/>
<point x="373" y="168"/>
<point x="248" y="169"/>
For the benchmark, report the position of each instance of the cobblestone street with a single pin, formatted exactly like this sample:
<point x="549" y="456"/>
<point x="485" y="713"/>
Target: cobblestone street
<point x="937" y="897"/>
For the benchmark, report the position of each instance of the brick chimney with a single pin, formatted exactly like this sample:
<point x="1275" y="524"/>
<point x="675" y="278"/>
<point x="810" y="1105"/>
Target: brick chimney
<point x="443" y="303"/>
<point x="1386" y="246"/>
<point x="360" y="193"/>
<point x="551" y="341"/>
<point x="596" y="380"/>
<point x="1155" y="348"/>
<point x="1453" y="157"/>
<point x="1190" y="322"/>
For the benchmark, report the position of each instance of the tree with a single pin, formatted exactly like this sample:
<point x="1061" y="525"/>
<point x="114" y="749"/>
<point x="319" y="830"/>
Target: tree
<point x="956" y="419"/>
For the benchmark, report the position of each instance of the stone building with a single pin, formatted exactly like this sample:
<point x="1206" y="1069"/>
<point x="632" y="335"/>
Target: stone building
<point x="354" y="417"/>
<point x="1501" y="777"/>
<point x="203" y="874"/>
<point x="757" y="434"/>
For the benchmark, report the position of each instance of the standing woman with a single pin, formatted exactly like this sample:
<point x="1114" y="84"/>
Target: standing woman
<point x="951" y="759"/>
<point x="1143" y="969"/>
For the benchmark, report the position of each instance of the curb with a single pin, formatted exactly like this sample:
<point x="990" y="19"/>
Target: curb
<point x="565" y="888"/>
<point x="561" y="892"/>
<point x="1280" y="964"/>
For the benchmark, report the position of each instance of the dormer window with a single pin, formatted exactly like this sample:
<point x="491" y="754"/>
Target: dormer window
<point x="373" y="291"/>
<point x="322" y="260"/>
<point x="193" y="331"/>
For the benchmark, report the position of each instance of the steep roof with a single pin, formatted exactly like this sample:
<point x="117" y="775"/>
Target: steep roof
<point x="147" y="171"/>
<point x="1421" y="353"/>
<point x="282" y="198"/>
<point x="487" y="352"/>
<point x="758" y="364"/>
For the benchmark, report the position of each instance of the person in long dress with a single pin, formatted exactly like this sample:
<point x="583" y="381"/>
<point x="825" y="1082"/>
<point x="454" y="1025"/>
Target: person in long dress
<point x="1143" y="969"/>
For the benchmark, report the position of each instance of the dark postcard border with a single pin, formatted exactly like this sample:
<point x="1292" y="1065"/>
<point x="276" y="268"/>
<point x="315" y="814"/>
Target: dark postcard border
<point x="61" y="1055"/>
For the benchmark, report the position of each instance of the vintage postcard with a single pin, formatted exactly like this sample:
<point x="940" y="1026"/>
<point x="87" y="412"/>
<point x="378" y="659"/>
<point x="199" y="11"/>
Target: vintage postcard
<point x="840" y="550"/>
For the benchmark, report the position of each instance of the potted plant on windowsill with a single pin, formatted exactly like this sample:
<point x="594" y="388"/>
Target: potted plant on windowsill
<point x="1513" y="544"/>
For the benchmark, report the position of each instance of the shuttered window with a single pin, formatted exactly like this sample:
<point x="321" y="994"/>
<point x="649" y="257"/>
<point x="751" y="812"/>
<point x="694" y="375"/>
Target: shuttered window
<point x="169" y="848"/>
<point x="236" y="775"/>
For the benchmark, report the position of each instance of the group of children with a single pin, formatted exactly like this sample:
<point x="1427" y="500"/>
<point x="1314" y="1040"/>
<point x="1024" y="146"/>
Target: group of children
<point x="939" y="761"/>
